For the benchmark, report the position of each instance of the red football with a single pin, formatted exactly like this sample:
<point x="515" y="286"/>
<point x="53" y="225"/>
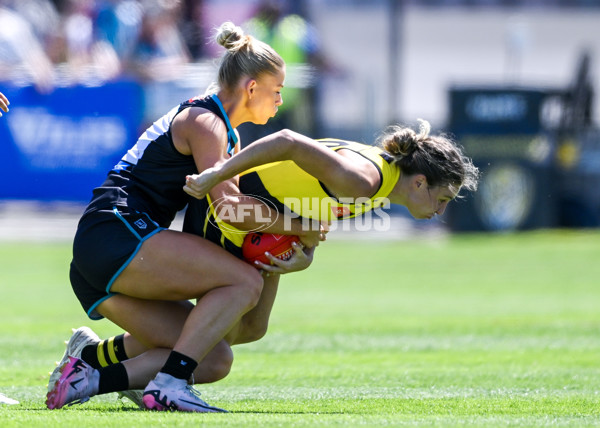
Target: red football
<point x="256" y="244"/>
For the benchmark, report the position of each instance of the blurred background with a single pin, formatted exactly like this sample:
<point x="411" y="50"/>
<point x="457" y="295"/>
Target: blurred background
<point x="512" y="80"/>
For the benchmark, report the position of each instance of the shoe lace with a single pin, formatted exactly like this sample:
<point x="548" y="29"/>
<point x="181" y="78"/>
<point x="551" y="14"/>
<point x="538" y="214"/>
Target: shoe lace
<point x="194" y="393"/>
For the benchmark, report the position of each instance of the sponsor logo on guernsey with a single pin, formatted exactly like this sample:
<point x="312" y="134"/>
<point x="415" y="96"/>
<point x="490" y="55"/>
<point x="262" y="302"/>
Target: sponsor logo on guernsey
<point x="140" y="224"/>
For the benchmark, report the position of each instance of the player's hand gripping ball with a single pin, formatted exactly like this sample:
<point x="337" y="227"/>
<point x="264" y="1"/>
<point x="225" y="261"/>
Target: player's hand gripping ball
<point x="256" y="244"/>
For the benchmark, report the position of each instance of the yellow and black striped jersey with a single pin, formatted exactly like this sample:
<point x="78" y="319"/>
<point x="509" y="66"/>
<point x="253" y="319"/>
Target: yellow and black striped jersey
<point x="290" y="189"/>
<point x="285" y="183"/>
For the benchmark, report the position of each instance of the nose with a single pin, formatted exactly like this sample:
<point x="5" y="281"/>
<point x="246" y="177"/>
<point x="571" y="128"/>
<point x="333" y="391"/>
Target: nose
<point x="442" y="208"/>
<point x="279" y="101"/>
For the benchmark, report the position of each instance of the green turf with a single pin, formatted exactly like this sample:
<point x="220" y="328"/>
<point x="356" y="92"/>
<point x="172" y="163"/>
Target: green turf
<point x="469" y="330"/>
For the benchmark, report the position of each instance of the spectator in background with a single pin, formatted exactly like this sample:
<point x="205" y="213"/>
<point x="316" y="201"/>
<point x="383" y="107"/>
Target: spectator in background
<point x="41" y="15"/>
<point x="160" y="46"/>
<point x="191" y="26"/>
<point x="119" y="22"/>
<point x="298" y="43"/>
<point x="85" y="56"/>
<point x="83" y="40"/>
<point x="22" y="55"/>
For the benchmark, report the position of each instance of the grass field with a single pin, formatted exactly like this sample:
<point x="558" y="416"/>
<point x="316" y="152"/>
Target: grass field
<point x="468" y="330"/>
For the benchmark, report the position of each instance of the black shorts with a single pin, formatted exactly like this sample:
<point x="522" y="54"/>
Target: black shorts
<point x="105" y="242"/>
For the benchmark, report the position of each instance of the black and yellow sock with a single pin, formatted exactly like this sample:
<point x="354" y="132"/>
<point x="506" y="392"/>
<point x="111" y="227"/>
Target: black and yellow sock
<point x="107" y="352"/>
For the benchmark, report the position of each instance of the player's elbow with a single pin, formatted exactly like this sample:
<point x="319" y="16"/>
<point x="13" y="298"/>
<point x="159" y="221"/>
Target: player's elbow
<point x="287" y="142"/>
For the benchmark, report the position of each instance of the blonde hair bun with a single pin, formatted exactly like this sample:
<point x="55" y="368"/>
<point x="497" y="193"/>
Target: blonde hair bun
<point x="231" y="36"/>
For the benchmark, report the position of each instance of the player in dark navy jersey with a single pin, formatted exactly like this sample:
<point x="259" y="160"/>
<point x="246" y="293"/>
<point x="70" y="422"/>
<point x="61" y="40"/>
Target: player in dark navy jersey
<point x="128" y="267"/>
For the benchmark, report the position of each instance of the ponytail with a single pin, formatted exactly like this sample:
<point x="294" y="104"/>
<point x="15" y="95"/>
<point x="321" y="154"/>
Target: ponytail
<point x="437" y="157"/>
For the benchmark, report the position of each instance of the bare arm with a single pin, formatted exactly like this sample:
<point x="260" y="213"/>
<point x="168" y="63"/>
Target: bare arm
<point x="204" y="136"/>
<point x="342" y="176"/>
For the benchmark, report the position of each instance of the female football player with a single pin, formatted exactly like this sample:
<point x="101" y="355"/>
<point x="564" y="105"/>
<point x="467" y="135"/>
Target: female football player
<point x="334" y="179"/>
<point x="129" y="268"/>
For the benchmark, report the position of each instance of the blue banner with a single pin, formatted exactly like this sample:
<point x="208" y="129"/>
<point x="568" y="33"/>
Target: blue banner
<point x="59" y="146"/>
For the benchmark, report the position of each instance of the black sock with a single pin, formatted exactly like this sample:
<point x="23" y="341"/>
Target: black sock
<point x="105" y="353"/>
<point x="179" y="366"/>
<point x="113" y="378"/>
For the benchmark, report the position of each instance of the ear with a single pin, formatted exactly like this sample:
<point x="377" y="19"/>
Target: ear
<point x="420" y="181"/>
<point x="250" y="87"/>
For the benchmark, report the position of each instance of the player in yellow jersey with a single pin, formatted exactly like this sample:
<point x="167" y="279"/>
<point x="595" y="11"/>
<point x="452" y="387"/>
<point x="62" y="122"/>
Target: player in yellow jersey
<point x="332" y="179"/>
<point x="290" y="190"/>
